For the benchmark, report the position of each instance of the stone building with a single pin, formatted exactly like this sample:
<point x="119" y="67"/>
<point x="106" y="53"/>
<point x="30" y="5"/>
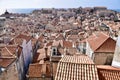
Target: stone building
<point x="8" y="63"/>
<point x="39" y="72"/>
<point x="24" y="53"/>
<point x="100" y="48"/>
<point x="8" y="69"/>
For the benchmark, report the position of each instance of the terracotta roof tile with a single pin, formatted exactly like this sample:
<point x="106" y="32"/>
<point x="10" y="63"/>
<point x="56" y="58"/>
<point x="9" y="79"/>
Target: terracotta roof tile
<point x="37" y="70"/>
<point x="8" y="51"/>
<point x="60" y="37"/>
<point x="61" y="50"/>
<point x="19" y="39"/>
<point x="67" y="44"/>
<point x="5" y="53"/>
<point x="49" y="44"/>
<point x="56" y="43"/>
<point x="79" y="67"/>
<point x="42" y="54"/>
<point x="12" y="48"/>
<point x="96" y="41"/>
<point x="73" y="37"/>
<point x="41" y="38"/>
<point x="51" y="38"/>
<point x="22" y="36"/>
<point x="106" y="72"/>
<point x="108" y="46"/>
<point x="5" y="62"/>
<point x="82" y="59"/>
<point x="71" y="51"/>
<point x="108" y="67"/>
<point x="62" y="43"/>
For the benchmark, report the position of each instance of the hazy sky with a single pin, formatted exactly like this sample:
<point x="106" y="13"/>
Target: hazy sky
<point x="112" y="4"/>
<point x="5" y="4"/>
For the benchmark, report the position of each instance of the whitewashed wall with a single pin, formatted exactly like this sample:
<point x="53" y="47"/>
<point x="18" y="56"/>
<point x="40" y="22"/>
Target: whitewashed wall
<point x="27" y="53"/>
<point x="89" y="51"/>
<point x="116" y="58"/>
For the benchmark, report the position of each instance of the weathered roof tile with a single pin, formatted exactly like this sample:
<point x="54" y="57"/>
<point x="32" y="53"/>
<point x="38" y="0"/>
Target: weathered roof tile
<point x="78" y="67"/>
<point x="106" y="72"/>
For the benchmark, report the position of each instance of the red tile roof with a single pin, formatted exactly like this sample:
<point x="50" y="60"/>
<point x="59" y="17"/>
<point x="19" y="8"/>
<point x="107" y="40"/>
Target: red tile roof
<point x="51" y="38"/>
<point x="78" y="67"/>
<point x="73" y="37"/>
<point x="12" y="48"/>
<point x="67" y="44"/>
<point x="100" y="40"/>
<point x="71" y="51"/>
<point x="19" y="39"/>
<point x="56" y="43"/>
<point x="49" y="44"/>
<point x="5" y="53"/>
<point x="108" y="46"/>
<point x="82" y="59"/>
<point x="42" y="54"/>
<point x="41" y="38"/>
<point x="37" y="70"/>
<point x="106" y="72"/>
<point x="60" y="37"/>
<point x="62" y="43"/>
<point x="108" y="67"/>
<point x="5" y="62"/>
<point x="22" y="36"/>
<point x="8" y="51"/>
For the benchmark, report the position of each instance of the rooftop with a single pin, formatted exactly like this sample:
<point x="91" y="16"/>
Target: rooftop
<point x="77" y="59"/>
<point x="79" y="67"/>
<point x="100" y="42"/>
<point x="5" y="62"/>
<point x="106" y="72"/>
<point x="37" y="70"/>
<point x="8" y="51"/>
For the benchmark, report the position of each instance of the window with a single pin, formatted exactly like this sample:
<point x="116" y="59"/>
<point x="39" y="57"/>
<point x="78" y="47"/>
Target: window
<point x="54" y="52"/>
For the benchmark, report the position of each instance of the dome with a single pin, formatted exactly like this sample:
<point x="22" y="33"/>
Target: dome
<point x="6" y="12"/>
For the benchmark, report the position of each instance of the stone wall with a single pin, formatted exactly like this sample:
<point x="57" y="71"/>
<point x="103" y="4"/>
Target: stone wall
<point x="116" y="59"/>
<point x="103" y="58"/>
<point x="10" y="73"/>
